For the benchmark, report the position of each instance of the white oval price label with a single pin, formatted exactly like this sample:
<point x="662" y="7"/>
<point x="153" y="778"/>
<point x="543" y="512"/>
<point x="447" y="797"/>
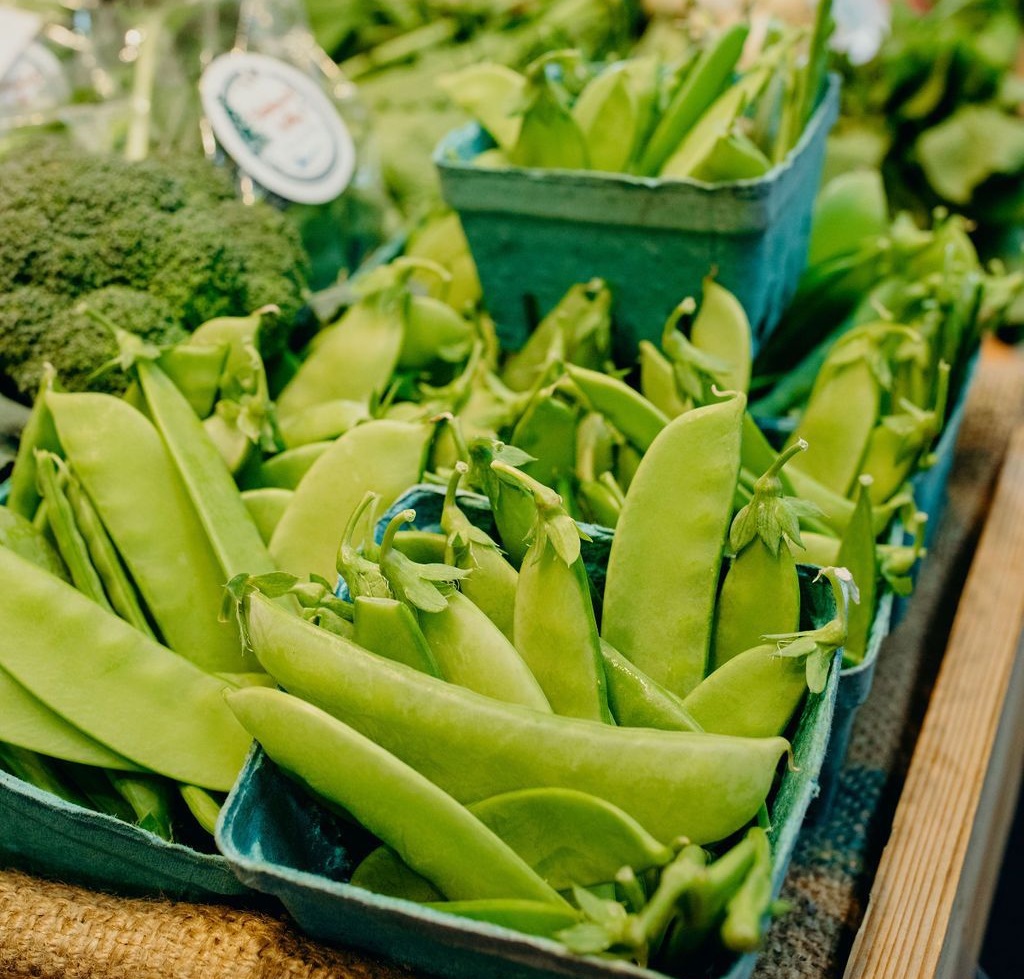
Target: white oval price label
<point x="277" y="124"/>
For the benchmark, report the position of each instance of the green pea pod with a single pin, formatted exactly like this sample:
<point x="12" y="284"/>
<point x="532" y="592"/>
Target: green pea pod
<point x="637" y="701"/>
<point x="19" y="535"/>
<point x="266" y="507"/>
<point x="27" y="722"/>
<point x="204" y="807"/>
<point x="749" y="907"/>
<point x="433" y="331"/>
<point x="233" y="446"/>
<point x="135" y="487"/>
<point x="702" y="86"/>
<point x="607" y="115"/>
<point x="491" y="585"/>
<point x="471" y="651"/>
<point x="429" y="829"/>
<point x="287" y="469"/>
<point x="849" y="209"/>
<point x="235" y="538"/>
<point x="441" y="239"/>
<point x="733" y="156"/>
<point x="491" y="94"/>
<point x="42" y="772"/>
<point x="658" y="381"/>
<point x="721" y="329"/>
<point x="820" y="549"/>
<point x="561" y="649"/>
<point x="131" y="694"/>
<point x="527" y="917"/>
<point x="761" y="592"/>
<point x="601" y="502"/>
<point x="196" y="371"/>
<point x="627" y="410"/>
<point x="389" y="628"/>
<point x="475" y="747"/>
<point x="512" y="506"/>
<point x="384" y="872"/>
<point x="549" y="137"/>
<point x="858" y="554"/>
<point x="321" y="422"/>
<point x="422" y="546"/>
<point x="384" y="456"/>
<point x="149" y="799"/>
<point x="675" y="519"/>
<point x="39" y="433"/>
<point x="547" y="432"/>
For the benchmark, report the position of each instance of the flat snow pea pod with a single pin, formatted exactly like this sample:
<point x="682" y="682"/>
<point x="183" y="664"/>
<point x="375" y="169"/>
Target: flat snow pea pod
<point x="637" y="701"/>
<point x="27" y="722"/>
<point x="266" y="507"/>
<point x="430" y="830"/>
<point x="134" y="696"/>
<point x="19" y="534"/>
<point x="232" y="533"/>
<point x="528" y="917"/>
<point x="39" y="433"/>
<point x="433" y="332"/>
<point x="512" y="506"/>
<point x="547" y="431"/>
<point x="749" y="907"/>
<point x="422" y="545"/>
<point x="607" y="114"/>
<point x="287" y="469"/>
<point x="40" y="771"/>
<point x="819" y="549"/>
<point x="491" y="585"/>
<point x="761" y="592"/>
<point x="721" y="329"/>
<point x="554" y="628"/>
<point x="389" y="628"/>
<point x="658" y="381"/>
<point x="549" y="137"/>
<point x="858" y="554"/>
<point x="702" y="85"/>
<point x="491" y="94"/>
<point x="475" y="747"/>
<point x="384" y="872"/>
<point x="196" y="371"/>
<point x="135" y="487"/>
<point x="733" y="156"/>
<point x="628" y="410"/>
<point x="321" y="422"/>
<point x="149" y="798"/>
<point x="384" y="456"/>
<point x="204" y="807"/>
<point x="471" y="651"/>
<point x="675" y="519"/>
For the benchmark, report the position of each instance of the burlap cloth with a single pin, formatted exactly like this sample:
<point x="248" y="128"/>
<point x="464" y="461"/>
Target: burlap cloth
<point x="55" y="931"/>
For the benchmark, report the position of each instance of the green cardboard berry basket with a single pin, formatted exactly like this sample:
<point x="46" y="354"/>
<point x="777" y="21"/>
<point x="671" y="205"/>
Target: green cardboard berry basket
<point x="534" y="233"/>
<point x="281" y="843"/>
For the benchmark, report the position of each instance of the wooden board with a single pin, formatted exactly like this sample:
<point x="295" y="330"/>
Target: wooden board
<point x="931" y="896"/>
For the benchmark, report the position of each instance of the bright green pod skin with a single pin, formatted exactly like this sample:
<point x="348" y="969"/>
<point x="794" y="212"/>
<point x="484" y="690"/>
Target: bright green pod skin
<point x="19" y="535"/>
<point x="287" y="469"/>
<point x="266" y="506"/>
<point x="820" y="549"/>
<point x="39" y="433"/>
<point x="637" y="701"/>
<point x="527" y="917"/>
<point x="471" y="651"/>
<point x="658" y="381"/>
<point x="675" y="520"/>
<point x="547" y="431"/>
<point x="136" y="489"/>
<point x="568" y="837"/>
<point x="204" y="807"/>
<point x="721" y="329"/>
<point x="433" y="332"/>
<point x="760" y="596"/>
<point x="421" y="546"/>
<point x="196" y="372"/>
<point x="430" y="830"/>
<point x="857" y="553"/>
<point x="753" y="695"/>
<point x="321" y="422"/>
<point x="136" y="697"/>
<point x="389" y="628"/>
<point x="607" y="114"/>
<point x="475" y="747"/>
<point x="383" y="456"/>
<point x="628" y="410"/>
<point x="748" y="908"/>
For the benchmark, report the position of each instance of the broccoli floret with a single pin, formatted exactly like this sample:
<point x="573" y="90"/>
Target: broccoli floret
<point x="158" y="246"/>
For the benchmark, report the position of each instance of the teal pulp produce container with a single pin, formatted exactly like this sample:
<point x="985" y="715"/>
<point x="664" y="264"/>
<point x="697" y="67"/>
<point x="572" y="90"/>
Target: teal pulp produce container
<point x="534" y="233"/>
<point x="282" y="843"/>
<point x="53" y="838"/>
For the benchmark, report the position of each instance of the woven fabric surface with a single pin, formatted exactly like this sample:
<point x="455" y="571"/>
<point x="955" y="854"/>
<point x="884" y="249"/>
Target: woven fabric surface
<point x="51" y="930"/>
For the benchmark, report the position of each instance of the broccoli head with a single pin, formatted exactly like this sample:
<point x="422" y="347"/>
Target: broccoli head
<point x="158" y="247"/>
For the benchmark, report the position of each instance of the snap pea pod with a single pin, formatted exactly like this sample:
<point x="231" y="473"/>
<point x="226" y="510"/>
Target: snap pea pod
<point x="204" y="807"/>
<point x="658" y="381"/>
<point x="61" y="520"/>
<point x="37" y="770"/>
<point x="475" y="747"/>
<point x="136" y="489"/>
<point x="149" y="799"/>
<point x="628" y="410"/>
<point x="562" y="651"/>
<point x="430" y="830"/>
<point x="170" y="717"/>
<point x="528" y="917"/>
<point x="549" y="137"/>
<point x="232" y="534"/>
<point x="566" y="836"/>
<point x="491" y="93"/>
<point x="39" y="433"/>
<point x="675" y="519"/>
<point x="389" y="628"/>
<point x="491" y="586"/>
<point x="637" y="701"/>
<point x="702" y="86"/>
<point x="321" y="422"/>
<point x="721" y="330"/>
<point x="106" y="560"/>
<point x="384" y="872"/>
<point x="266" y="506"/>
<point x="857" y="552"/>
<point x="608" y="116"/>
<point x="512" y="506"/>
<point x="547" y="432"/>
<point x="27" y="722"/>
<point x="18" y="534"/>
<point x="196" y="370"/>
<point x="433" y="332"/>
<point x="732" y="156"/>
<point x="384" y="456"/>
<point x="422" y="546"/>
<point x="750" y="905"/>
<point x="761" y="592"/>
<point x="287" y="469"/>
